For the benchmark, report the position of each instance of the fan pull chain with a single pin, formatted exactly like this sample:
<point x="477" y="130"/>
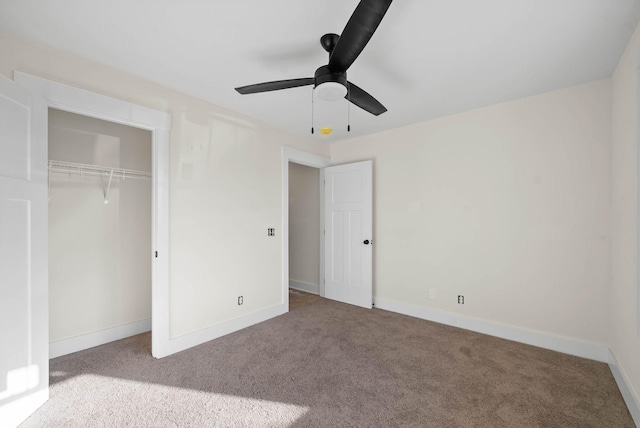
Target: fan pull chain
<point x="312" y="110"/>
<point x="349" y="109"/>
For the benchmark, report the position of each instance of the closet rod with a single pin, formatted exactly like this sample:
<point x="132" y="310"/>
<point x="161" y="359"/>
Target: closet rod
<point x="81" y="168"/>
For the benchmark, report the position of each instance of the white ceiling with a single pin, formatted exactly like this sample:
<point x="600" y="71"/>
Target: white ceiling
<point x="428" y="59"/>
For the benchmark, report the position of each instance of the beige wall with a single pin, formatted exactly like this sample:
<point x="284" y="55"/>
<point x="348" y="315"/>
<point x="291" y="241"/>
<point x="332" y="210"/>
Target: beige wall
<point x="507" y="205"/>
<point x="99" y="254"/>
<point x="625" y="300"/>
<point x="225" y="188"/>
<point x="304" y="225"/>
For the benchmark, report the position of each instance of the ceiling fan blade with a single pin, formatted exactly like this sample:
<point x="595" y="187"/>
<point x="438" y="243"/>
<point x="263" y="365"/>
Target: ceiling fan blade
<point x="365" y="101"/>
<point x="275" y="85"/>
<point x="357" y="33"/>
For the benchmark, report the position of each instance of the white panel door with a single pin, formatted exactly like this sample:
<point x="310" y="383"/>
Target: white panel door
<point x="24" y="336"/>
<point x="348" y="233"/>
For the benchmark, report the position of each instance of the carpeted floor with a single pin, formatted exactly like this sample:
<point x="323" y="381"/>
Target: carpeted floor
<point x="329" y="364"/>
<point x="298" y="299"/>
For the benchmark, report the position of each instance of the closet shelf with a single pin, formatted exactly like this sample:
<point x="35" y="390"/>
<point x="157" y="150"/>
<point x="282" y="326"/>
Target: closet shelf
<point x="82" y="169"/>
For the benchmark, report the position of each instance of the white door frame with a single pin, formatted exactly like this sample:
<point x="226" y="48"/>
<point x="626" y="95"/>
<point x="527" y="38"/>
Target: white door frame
<point x="314" y="161"/>
<point x="638" y="191"/>
<point x="67" y="98"/>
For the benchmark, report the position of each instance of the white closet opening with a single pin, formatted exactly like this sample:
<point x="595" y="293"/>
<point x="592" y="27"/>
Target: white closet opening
<point x="100" y="231"/>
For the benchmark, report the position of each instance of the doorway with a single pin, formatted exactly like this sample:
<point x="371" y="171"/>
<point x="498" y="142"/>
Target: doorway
<point x="304" y="235"/>
<point x="304" y="228"/>
<point x="62" y="97"/>
<point x="346" y="202"/>
<point x="99" y="231"/>
<point x="314" y="162"/>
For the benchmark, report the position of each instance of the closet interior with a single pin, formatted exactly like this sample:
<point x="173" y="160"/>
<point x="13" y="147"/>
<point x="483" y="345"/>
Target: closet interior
<point x="100" y="235"/>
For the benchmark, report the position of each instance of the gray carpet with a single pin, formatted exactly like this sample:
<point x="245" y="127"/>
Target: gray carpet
<point x="298" y="299"/>
<point x="330" y="364"/>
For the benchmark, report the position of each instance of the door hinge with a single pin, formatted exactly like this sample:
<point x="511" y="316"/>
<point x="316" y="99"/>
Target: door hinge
<point x="156" y="254"/>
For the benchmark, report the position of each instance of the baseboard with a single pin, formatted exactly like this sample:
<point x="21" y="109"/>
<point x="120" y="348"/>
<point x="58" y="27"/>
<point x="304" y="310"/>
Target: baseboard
<point x="628" y="394"/>
<point x="517" y="334"/>
<point x="86" y="341"/>
<point x="304" y="286"/>
<point x="199" y="337"/>
<point x="13" y="413"/>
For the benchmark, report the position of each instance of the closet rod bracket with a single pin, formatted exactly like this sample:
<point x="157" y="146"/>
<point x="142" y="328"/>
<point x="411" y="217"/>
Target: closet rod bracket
<point x="106" y="192"/>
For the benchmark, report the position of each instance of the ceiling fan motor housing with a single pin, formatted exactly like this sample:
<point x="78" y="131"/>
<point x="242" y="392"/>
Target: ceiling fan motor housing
<point x="325" y="74"/>
<point x="329" y="41"/>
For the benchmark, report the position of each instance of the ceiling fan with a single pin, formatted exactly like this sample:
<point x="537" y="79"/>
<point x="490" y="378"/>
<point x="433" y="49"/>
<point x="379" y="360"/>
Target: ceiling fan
<point x="330" y="81"/>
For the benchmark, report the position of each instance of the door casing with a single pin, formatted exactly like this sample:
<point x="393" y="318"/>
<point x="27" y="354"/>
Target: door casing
<point x="74" y="100"/>
<point x="314" y="161"/>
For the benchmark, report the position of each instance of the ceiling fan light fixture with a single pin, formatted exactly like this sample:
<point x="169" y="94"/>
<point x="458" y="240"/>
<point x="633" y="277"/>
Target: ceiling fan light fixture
<point x="330" y="91"/>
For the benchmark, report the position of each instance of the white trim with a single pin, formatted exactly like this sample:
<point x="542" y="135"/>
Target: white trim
<point x="637" y="106"/>
<point x="304" y="286"/>
<point x="160" y="328"/>
<point x="89" y="340"/>
<point x="87" y="103"/>
<point x="517" y="334"/>
<point x="210" y="333"/>
<point x="626" y="389"/>
<point x="314" y="161"/>
<point x="304" y="158"/>
<point x="25" y="358"/>
<point x="15" y="412"/>
<point x="67" y="346"/>
<point x="321" y="281"/>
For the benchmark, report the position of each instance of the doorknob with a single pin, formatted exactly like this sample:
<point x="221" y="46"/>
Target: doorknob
<point x="366" y="242"/>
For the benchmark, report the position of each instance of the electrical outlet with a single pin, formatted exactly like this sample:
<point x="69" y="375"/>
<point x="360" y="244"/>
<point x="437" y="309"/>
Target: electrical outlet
<point x="240" y="300"/>
<point x="271" y="232"/>
<point x="432" y="294"/>
<point x="460" y="299"/>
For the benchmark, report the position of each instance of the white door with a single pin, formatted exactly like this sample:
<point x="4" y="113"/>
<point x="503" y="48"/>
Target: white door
<point x="24" y="336"/>
<point x="348" y="233"/>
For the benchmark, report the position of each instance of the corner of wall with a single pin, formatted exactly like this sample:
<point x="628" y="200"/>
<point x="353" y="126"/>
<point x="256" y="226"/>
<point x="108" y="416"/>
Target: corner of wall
<point x="626" y="388"/>
<point x="625" y="293"/>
